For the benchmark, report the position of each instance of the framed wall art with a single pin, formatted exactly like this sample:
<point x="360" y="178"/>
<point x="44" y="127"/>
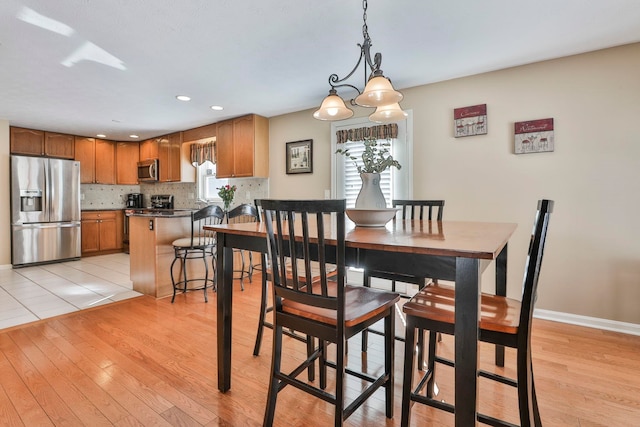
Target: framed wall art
<point x="300" y="156"/>
<point x="469" y="121"/>
<point x="534" y="136"/>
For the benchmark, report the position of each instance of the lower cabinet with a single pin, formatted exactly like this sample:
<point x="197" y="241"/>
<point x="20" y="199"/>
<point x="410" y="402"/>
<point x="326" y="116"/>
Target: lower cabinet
<point x="151" y="253"/>
<point x="101" y="232"/>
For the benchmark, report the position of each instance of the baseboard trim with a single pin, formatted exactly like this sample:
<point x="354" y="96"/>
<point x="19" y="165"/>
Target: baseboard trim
<point x="6" y="267"/>
<point x="591" y="322"/>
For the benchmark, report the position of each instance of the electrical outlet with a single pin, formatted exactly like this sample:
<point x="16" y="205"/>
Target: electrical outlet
<point x="327" y="194"/>
<point x="81" y="196"/>
<point x="248" y="195"/>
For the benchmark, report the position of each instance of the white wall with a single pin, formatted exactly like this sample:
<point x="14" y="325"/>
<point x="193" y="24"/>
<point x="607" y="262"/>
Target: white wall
<point x="5" y="213"/>
<point x="592" y="261"/>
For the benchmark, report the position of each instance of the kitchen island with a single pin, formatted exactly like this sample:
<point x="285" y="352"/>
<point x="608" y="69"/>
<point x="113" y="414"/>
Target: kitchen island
<point x="151" y="233"/>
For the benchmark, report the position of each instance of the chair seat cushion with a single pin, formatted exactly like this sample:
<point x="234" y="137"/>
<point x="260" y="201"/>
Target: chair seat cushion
<point x="361" y="304"/>
<point x="437" y="302"/>
<point x="198" y="242"/>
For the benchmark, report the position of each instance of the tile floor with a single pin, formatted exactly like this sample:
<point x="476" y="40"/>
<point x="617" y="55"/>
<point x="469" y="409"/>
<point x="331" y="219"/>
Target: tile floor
<point x="31" y="293"/>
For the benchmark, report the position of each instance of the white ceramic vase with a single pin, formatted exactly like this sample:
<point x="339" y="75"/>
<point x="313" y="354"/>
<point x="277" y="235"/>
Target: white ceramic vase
<point x="370" y="196"/>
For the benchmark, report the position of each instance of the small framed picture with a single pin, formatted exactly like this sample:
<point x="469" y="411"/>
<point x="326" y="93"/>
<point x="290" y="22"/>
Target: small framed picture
<point x="534" y="136"/>
<point x="300" y="156"/>
<point x="470" y="121"/>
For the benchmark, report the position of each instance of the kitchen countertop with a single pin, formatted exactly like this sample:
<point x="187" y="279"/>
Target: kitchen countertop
<point x="102" y="209"/>
<point x="163" y="213"/>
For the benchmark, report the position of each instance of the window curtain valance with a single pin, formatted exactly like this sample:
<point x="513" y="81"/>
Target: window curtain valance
<point x="389" y="131"/>
<point x="200" y="152"/>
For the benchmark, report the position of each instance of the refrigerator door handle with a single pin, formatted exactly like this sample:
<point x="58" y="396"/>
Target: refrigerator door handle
<point x="49" y="225"/>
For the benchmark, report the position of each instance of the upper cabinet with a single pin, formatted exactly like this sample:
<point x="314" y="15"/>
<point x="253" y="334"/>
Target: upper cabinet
<point x="105" y="162"/>
<point x="27" y="141"/>
<point x="169" y="157"/>
<point x="149" y="149"/>
<point x="97" y="159"/>
<point x="40" y="143"/>
<point x="199" y="133"/>
<point x="86" y="155"/>
<point x="59" y="145"/>
<point x="127" y="157"/>
<point x="167" y="150"/>
<point x="242" y="147"/>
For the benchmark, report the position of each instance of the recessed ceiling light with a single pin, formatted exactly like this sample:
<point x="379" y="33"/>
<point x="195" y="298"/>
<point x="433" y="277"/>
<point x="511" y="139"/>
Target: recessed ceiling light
<point x="134" y="136"/>
<point x="216" y="108"/>
<point x="101" y="135"/>
<point x="183" y="98"/>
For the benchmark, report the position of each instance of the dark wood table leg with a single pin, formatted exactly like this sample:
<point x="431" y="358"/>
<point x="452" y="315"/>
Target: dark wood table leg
<point x="224" y="275"/>
<point x="501" y="289"/>
<point x="466" y="340"/>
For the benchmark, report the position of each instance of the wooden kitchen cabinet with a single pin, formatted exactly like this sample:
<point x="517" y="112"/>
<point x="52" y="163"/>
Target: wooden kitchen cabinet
<point x="151" y="253"/>
<point x="167" y="150"/>
<point x="200" y="133"/>
<point x="105" y="162"/>
<point x="97" y="159"/>
<point x="59" y="145"/>
<point x="86" y="154"/>
<point x="127" y="157"/>
<point x="101" y="232"/>
<point x="34" y="142"/>
<point x="149" y="149"/>
<point x="27" y="141"/>
<point x="242" y="147"/>
<point x="169" y="157"/>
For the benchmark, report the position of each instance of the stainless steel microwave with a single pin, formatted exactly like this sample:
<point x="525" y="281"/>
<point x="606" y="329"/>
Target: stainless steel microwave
<point x="148" y="170"/>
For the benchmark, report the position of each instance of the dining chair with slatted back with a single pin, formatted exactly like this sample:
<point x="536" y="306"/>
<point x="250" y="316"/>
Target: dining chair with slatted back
<point x="422" y="210"/>
<point x="503" y="321"/>
<point x="199" y="244"/>
<point x="265" y="308"/>
<point x="329" y="311"/>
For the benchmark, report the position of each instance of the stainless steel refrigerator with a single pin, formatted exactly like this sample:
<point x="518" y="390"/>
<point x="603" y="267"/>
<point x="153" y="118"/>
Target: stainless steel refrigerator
<point x="45" y="210"/>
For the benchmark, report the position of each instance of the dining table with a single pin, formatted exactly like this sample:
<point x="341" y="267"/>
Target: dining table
<point x="457" y="251"/>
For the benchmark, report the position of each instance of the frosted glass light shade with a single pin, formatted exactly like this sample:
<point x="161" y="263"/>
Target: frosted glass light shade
<point x="378" y="92"/>
<point x="388" y="114"/>
<point x="333" y="108"/>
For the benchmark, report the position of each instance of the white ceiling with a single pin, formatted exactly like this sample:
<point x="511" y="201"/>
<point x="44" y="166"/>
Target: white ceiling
<point x="267" y="57"/>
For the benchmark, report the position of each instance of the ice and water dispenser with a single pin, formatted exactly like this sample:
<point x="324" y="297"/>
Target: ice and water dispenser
<point x="30" y="200"/>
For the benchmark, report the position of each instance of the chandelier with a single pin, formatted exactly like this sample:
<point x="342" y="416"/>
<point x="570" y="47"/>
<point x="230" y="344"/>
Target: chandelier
<point x="378" y="92"/>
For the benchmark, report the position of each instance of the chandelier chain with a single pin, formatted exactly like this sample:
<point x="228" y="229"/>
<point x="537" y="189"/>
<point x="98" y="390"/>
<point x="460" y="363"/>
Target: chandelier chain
<point x="365" y="29"/>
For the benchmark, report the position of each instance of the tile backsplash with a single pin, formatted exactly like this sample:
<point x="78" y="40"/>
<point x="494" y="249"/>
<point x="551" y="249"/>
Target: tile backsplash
<point x="97" y="196"/>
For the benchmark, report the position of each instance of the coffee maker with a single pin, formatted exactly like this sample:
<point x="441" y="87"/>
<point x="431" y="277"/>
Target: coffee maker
<point x="135" y="200"/>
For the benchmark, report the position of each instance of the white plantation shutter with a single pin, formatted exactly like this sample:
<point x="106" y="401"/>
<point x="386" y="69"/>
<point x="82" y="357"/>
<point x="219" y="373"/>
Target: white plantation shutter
<point x="352" y="181"/>
<point x="395" y="184"/>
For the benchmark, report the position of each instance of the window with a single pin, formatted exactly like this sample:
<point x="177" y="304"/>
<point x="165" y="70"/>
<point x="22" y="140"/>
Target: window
<point x="207" y="183"/>
<point x="395" y="184"/>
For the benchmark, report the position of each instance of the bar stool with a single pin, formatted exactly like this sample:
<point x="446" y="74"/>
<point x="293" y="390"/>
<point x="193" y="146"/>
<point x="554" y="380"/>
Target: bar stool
<point x="200" y="244"/>
<point x="245" y="212"/>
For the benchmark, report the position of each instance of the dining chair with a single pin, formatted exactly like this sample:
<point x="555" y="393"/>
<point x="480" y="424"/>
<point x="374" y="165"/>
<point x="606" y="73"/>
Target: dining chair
<point x="503" y="321"/>
<point x="245" y="212"/>
<point x="410" y="210"/>
<point x="199" y="244"/>
<point x="265" y="309"/>
<point x="329" y="311"/>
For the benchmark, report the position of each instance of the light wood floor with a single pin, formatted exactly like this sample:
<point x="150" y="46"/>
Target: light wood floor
<point x="147" y="362"/>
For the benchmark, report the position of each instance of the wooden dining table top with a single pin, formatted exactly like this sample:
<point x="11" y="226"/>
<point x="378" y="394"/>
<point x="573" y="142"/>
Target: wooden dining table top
<point x="481" y="240"/>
